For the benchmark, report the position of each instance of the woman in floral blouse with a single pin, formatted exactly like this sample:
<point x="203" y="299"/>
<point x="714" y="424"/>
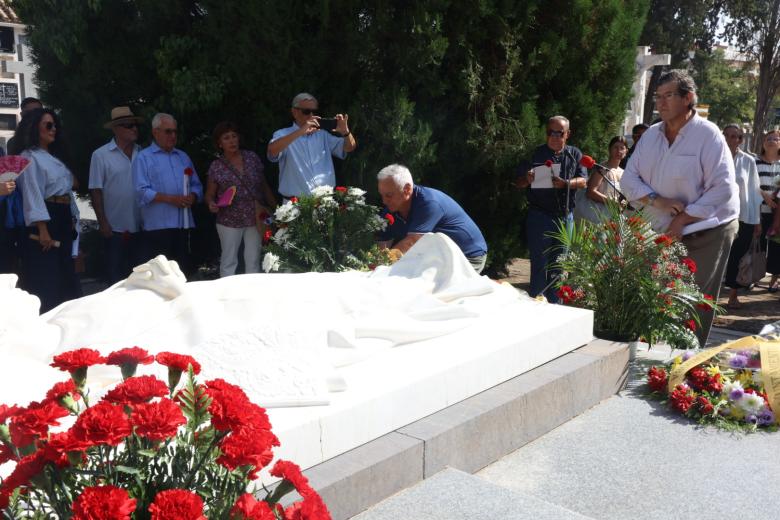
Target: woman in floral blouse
<point x="241" y="219"/>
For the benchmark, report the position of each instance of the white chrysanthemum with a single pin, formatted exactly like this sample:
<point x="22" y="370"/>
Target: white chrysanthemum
<point x="282" y="238"/>
<point x="322" y="191"/>
<point x="270" y="262"/>
<point x="377" y="223"/>
<point x="328" y="203"/>
<point x="287" y="212"/>
<point x="751" y="403"/>
<point x="356" y="192"/>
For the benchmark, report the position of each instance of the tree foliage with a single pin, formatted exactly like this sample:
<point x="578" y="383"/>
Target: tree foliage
<point x="729" y="90"/>
<point x="457" y="90"/>
<point x="755" y="26"/>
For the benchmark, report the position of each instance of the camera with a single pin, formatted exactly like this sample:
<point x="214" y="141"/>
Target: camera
<point x="327" y="123"/>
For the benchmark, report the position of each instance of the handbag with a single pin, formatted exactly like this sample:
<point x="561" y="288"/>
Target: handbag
<point x="752" y="265"/>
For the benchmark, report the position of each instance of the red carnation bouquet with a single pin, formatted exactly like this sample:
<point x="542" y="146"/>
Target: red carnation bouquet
<point x="147" y="450"/>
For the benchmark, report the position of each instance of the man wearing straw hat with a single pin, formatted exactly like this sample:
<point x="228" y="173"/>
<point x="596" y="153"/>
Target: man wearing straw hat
<point x="113" y="194"/>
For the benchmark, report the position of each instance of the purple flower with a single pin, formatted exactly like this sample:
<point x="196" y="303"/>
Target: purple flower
<point x="766" y="417"/>
<point x="738" y="361"/>
<point x="751" y="419"/>
<point x="736" y="394"/>
<point x="688" y="354"/>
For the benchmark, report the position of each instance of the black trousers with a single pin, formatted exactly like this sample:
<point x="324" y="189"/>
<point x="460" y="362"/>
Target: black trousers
<point x="51" y="275"/>
<point x="121" y="255"/>
<point x="738" y="249"/>
<point x="174" y="243"/>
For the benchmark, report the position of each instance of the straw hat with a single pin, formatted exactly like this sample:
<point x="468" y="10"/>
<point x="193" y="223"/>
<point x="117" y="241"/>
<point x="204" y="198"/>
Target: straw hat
<point x="120" y="115"/>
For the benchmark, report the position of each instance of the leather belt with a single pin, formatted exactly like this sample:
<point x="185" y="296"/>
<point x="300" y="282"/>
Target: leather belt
<point x="59" y="199"/>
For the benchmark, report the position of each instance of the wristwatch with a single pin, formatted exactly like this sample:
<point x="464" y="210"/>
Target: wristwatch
<point x="651" y="198"/>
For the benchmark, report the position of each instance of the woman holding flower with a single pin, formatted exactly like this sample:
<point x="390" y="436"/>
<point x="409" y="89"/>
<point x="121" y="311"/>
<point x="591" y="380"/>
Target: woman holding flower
<point x="239" y="219"/>
<point x="768" y="164"/>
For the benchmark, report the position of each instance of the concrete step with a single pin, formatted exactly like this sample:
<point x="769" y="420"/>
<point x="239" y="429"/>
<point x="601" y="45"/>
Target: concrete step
<point x="454" y="495"/>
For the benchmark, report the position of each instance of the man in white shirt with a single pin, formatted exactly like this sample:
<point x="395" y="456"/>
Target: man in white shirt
<point x="113" y="195"/>
<point x="682" y="172"/>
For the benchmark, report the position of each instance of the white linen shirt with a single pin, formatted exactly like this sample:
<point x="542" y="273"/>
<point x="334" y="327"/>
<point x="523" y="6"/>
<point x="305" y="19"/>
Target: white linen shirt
<point x="697" y="169"/>
<point x="110" y="171"/>
<point x="750" y="198"/>
<point x="45" y="176"/>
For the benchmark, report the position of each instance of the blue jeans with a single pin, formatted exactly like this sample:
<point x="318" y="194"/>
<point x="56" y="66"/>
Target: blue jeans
<point x="544" y="251"/>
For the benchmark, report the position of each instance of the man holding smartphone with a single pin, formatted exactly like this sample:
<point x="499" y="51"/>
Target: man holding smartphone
<point x="304" y="150"/>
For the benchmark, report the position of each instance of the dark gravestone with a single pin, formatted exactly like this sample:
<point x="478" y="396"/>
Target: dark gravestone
<point x="9" y="95"/>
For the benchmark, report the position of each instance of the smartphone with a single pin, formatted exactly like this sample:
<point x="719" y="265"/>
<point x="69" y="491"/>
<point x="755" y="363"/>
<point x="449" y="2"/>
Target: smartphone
<point x="328" y="123"/>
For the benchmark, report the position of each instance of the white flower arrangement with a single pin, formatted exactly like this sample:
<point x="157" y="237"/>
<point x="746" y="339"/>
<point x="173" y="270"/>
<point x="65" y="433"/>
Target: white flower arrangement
<point x="287" y="212"/>
<point x="322" y="191"/>
<point x="270" y="262"/>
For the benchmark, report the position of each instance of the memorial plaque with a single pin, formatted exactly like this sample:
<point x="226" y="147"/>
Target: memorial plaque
<point x="9" y="95"/>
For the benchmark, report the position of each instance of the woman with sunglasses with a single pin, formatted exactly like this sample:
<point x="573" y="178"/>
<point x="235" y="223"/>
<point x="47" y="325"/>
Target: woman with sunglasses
<point x="49" y="211"/>
<point x="768" y="164"/>
<point x="239" y="218"/>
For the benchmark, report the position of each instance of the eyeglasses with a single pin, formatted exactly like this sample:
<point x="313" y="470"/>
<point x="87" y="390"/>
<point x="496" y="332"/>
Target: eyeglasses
<point x="734" y="136"/>
<point x="170" y="131"/>
<point x="307" y="111"/>
<point x="129" y="126"/>
<point x="665" y="97"/>
<point x="555" y="133"/>
<point x="773" y="139"/>
<point x="50" y="126"/>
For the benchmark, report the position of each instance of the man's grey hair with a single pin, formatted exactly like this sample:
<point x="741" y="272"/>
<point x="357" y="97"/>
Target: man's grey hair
<point x="684" y="82"/>
<point x="735" y="126"/>
<point x="399" y="173"/>
<point x="300" y="98"/>
<point x="561" y="119"/>
<point x="160" y="117"/>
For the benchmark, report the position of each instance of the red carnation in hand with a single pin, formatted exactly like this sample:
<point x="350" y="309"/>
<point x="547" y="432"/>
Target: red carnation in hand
<point x="248" y="507"/>
<point x="188" y="171"/>
<point x="129" y="359"/>
<point x="136" y="390"/>
<point x="681" y="399"/>
<point x="548" y="163"/>
<point x="664" y="240"/>
<point x="177" y="504"/>
<point x="157" y="421"/>
<point x="342" y="189"/>
<point x="247" y="447"/>
<point x="103" y="503"/>
<point x="390" y="219"/>
<point x="103" y="423"/>
<point x="690" y="264"/>
<point x="34" y="421"/>
<point x="657" y="379"/>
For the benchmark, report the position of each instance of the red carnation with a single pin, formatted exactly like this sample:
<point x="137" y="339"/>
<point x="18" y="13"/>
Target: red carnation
<point x="291" y="472"/>
<point x="177" y="504"/>
<point x="567" y="294"/>
<point x="342" y="189"/>
<point x="267" y="234"/>
<point x="77" y="359"/>
<point x="681" y="399"/>
<point x="704" y="405"/>
<point x="248" y="507"/>
<point x="180" y="362"/>
<point x="548" y="163"/>
<point x="231" y="409"/>
<point x="390" y="219"/>
<point x="697" y="377"/>
<point x="103" y="503"/>
<point x="312" y="508"/>
<point x="247" y="447"/>
<point x="690" y="264"/>
<point x="61" y="390"/>
<point x="7" y="412"/>
<point x="664" y="240"/>
<point x="135" y="390"/>
<point x="59" y="445"/>
<point x="657" y="379"/>
<point x="34" y="421"/>
<point x="294" y="199"/>
<point x="103" y="423"/>
<point x="129" y="359"/>
<point x="691" y="324"/>
<point x="27" y="468"/>
<point x="157" y="421"/>
<point x="188" y="171"/>
<point x="713" y="384"/>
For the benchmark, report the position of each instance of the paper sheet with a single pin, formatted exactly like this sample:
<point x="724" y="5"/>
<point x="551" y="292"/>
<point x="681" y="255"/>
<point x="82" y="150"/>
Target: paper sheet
<point x="543" y="176"/>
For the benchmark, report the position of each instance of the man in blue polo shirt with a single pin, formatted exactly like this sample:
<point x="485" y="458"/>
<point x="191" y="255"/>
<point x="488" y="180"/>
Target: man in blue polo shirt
<point x="419" y="210"/>
<point x="305" y="152"/>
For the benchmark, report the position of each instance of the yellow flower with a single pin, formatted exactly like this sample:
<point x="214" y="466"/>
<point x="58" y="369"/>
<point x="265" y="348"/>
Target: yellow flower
<point x="676" y="362"/>
<point x="745" y="377"/>
<point x="712" y="370"/>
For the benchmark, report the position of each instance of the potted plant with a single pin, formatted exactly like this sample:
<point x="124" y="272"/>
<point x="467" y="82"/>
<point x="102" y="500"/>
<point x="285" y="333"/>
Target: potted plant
<point x="639" y="285"/>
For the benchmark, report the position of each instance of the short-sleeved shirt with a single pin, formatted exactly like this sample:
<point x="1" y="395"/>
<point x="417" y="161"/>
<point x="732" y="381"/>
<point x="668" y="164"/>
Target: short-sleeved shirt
<point x="433" y="211"/>
<point x="110" y="171"/>
<point x="553" y="201"/>
<point x="45" y="176"/>
<point x="307" y="162"/>
<point x="241" y="213"/>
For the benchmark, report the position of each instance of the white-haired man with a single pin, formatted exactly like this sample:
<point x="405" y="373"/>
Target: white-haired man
<point x="418" y="210"/>
<point x="682" y="172"/>
<point x="305" y="152"/>
<point x="166" y="186"/>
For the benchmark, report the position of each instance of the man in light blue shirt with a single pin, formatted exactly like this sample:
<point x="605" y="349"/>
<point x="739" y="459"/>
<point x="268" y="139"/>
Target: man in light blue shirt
<point x="113" y="194"/>
<point x="166" y="186"/>
<point x="304" y="150"/>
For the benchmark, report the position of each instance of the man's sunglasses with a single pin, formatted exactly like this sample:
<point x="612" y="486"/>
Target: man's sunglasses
<point x="307" y="111"/>
<point x="129" y="126"/>
<point x="50" y="126"/>
<point x="555" y="133"/>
